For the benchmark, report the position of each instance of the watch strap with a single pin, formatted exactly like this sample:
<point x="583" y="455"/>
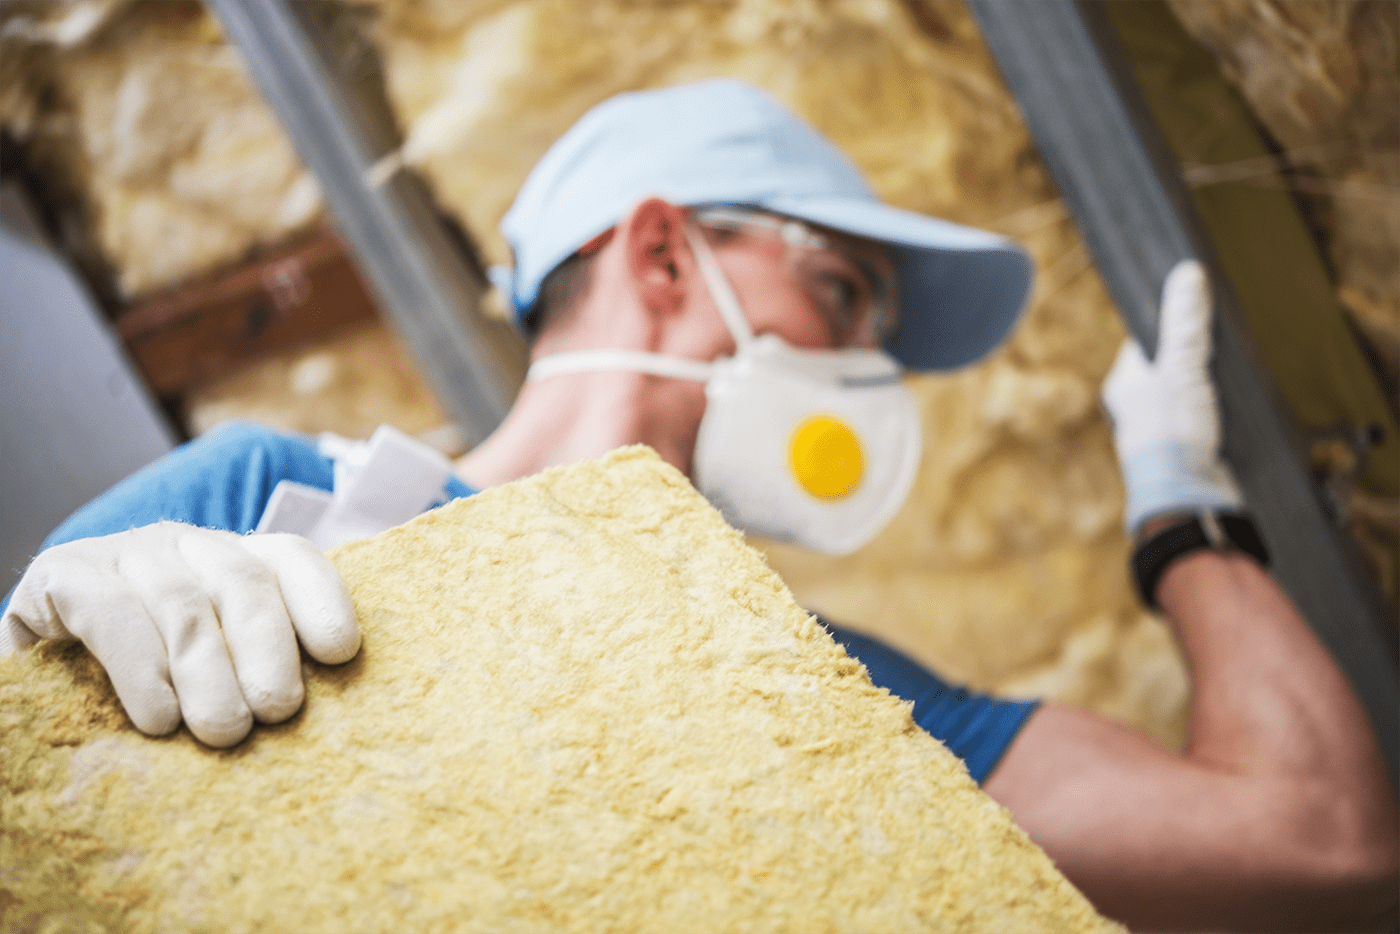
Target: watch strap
<point x="1218" y="531"/>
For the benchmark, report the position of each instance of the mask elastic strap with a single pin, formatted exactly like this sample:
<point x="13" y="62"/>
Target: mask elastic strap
<point x="720" y="289"/>
<point x="628" y="361"/>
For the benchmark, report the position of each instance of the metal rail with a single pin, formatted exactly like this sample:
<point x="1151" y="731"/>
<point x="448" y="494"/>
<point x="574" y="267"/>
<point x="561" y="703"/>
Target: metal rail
<point x="1115" y="171"/>
<point x="424" y="280"/>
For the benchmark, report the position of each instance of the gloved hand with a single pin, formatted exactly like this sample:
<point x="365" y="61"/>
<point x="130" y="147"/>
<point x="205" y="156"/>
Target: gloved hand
<point x="1166" y="423"/>
<point x="191" y="621"/>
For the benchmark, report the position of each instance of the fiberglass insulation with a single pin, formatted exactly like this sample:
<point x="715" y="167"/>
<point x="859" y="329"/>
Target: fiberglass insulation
<point x="582" y="704"/>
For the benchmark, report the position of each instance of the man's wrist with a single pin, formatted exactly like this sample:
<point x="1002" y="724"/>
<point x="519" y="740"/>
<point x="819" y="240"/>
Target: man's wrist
<point x="1167" y="537"/>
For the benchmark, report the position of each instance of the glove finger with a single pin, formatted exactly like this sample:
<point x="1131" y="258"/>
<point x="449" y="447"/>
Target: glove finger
<point x="1184" y="324"/>
<point x="200" y="668"/>
<point x="257" y="631"/>
<point x="29" y="615"/>
<point x="1130" y="370"/>
<point x="96" y="605"/>
<point x="316" y="597"/>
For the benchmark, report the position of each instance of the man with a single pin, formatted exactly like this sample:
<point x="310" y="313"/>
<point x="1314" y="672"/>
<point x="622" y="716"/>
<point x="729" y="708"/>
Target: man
<point x="705" y="274"/>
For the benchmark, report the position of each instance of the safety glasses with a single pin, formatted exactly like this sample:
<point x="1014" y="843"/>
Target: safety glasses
<point x="853" y="293"/>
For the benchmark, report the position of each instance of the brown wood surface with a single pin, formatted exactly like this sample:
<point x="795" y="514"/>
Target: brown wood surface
<point x="284" y="298"/>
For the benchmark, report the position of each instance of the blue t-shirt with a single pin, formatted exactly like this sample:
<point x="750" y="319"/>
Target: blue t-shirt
<point x="224" y="479"/>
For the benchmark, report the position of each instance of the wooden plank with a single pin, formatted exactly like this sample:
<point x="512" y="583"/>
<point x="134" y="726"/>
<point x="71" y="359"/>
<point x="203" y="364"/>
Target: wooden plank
<point x="1074" y="83"/>
<point x="284" y="299"/>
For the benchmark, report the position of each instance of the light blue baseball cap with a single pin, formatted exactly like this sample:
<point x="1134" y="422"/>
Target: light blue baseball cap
<point x="724" y="142"/>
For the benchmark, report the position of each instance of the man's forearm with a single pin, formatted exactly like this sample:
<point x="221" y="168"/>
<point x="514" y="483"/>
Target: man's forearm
<point x="1279" y="815"/>
<point x="1270" y="702"/>
<point x="1268" y="696"/>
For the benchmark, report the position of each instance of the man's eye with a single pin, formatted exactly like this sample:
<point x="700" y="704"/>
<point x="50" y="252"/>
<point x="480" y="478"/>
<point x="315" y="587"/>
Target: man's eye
<point x="841" y="297"/>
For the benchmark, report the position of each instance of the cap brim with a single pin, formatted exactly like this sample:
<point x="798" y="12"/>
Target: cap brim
<point x="961" y="290"/>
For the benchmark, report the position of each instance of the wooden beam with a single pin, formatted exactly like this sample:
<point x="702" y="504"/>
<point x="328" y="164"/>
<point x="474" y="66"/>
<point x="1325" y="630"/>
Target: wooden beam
<point x="286" y="298"/>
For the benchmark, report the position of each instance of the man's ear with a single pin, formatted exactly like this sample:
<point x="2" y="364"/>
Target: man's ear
<point x="653" y="236"/>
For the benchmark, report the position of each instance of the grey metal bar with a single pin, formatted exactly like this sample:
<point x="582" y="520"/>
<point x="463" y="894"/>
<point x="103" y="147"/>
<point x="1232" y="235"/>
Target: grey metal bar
<point x="1114" y="168"/>
<point x="426" y="285"/>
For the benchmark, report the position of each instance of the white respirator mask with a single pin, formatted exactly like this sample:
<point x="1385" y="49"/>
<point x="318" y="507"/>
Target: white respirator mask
<point x="815" y="447"/>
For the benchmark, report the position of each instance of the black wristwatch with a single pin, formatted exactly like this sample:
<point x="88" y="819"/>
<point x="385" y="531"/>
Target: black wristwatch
<point x="1220" y="531"/>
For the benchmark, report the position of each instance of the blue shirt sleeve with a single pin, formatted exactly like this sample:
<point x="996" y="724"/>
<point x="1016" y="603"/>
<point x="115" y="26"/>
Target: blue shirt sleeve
<point x="976" y="728"/>
<point x="222" y="480"/>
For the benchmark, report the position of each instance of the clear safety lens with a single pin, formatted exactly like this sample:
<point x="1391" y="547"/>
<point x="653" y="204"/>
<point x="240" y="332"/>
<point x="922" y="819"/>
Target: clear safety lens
<point x="852" y="292"/>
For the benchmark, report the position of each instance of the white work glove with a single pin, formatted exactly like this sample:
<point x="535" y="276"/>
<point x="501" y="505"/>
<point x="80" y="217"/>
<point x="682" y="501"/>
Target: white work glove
<point x="1166" y="423"/>
<point x="190" y="621"/>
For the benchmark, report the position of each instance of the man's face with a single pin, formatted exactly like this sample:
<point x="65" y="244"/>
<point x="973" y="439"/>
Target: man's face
<point x="813" y="287"/>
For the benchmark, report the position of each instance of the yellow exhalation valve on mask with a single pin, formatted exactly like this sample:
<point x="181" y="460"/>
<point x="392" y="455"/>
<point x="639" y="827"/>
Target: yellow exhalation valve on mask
<point x="826" y="457"/>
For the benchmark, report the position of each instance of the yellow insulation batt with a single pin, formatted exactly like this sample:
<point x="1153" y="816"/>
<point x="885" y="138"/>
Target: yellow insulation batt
<point x="583" y="704"/>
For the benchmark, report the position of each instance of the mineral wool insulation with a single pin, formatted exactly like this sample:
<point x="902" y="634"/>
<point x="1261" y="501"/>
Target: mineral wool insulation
<point x="582" y="704"/>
